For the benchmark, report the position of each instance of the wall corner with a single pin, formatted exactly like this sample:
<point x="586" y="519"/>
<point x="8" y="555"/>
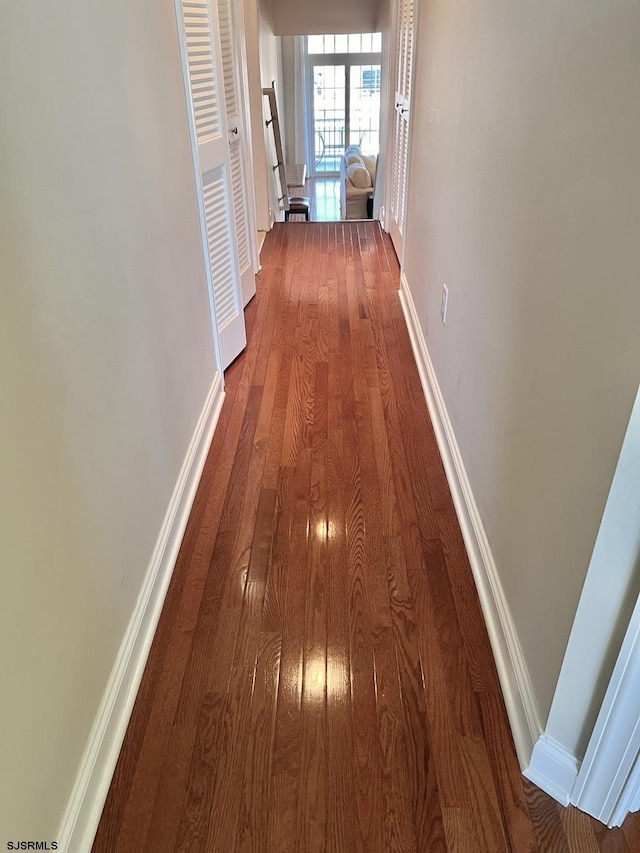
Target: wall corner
<point x="553" y="769"/>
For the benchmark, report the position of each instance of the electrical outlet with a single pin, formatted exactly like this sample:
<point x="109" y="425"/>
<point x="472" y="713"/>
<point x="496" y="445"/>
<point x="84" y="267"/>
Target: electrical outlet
<point x="444" y="303"/>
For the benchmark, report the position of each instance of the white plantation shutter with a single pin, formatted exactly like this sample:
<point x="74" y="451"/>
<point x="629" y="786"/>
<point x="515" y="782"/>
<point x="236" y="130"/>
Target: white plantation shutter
<point x="202" y="78"/>
<point x="239" y="210"/>
<point x="238" y="151"/>
<point x="219" y="242"/>
<point x="403" y="154"/>
<point x="226" y="47"/>
<point x="402" y="59"/>
<point x="405" y="37"/>
<point x="397" y="163"/>
<point x="408" y="72"/>
<point x="202" y="55"/>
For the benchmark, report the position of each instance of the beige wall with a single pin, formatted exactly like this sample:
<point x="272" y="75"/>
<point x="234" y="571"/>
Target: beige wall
<point x="263" y="68"/>
<point x="288" y="97"/>
<point x="524" y="188"/>
<point x="106" y="358"/>
<point x="271" y="73"/>
<point x="256" y="108"/>
<point x="305" y="17"/>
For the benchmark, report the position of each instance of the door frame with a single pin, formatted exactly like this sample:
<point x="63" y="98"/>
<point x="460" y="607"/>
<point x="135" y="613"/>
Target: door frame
<point x="347" y="60"/>
<point x="608" y="784"/>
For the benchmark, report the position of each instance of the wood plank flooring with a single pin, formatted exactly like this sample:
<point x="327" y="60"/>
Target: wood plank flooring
<point x="321" y="678"/>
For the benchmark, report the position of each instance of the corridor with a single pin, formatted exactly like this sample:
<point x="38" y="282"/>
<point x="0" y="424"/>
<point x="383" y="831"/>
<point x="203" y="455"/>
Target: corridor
<point x="321" y="678"/>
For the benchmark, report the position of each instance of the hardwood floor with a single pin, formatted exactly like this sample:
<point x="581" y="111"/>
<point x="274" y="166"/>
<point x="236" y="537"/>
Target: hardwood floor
<point x="324" y="200"/>
<point x="321" y="678"/>
<point x="324" y="194"/>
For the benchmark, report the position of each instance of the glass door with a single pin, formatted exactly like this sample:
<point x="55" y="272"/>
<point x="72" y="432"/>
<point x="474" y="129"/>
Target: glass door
<point x="329" y="117"/>
<point x="364" y="107"/>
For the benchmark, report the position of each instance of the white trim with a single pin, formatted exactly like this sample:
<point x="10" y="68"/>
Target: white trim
<point x="630" y="798"/>
<point x="553" y="768"/>
<point x="519" y="697"/>
<point x="607" y="785"/>
<point x="82" y="815"/>
<point x="632" y="795"/>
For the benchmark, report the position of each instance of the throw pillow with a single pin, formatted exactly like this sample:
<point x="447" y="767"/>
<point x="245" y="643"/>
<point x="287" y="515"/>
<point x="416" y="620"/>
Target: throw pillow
<point x="359" y="176"/>
<point x="350" y="159"/>
<point x="371" y="163"/>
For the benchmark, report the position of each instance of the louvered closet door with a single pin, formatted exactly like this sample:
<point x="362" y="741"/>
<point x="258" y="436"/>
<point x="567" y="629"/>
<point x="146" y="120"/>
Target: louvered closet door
<point x="405" y="30"/>
<point x="203" y="59"/>
<point x="234" y="73"/>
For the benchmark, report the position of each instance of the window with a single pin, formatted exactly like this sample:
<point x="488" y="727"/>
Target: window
<point x="359" y="43"/>
<point x="371" y="80"/>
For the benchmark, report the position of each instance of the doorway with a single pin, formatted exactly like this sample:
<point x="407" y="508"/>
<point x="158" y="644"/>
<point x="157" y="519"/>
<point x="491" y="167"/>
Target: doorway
<point x="344" y="77"/>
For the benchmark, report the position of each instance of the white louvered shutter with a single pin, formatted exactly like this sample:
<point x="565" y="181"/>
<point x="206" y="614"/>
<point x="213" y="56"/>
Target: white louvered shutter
<point x="203" y="59"/>
<point x="405" y="38"/>
<point x="219" y="236"/>
<point x="229" y="16"/>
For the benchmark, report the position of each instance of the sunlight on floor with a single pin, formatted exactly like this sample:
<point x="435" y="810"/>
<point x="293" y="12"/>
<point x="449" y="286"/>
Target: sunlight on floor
<point x="325" y="199"/>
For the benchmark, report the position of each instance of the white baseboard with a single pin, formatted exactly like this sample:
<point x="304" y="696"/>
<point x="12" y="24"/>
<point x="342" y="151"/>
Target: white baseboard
<point x="519" y="698"/>
<point x="553" y="768"/>
<point x="82" y="815"/>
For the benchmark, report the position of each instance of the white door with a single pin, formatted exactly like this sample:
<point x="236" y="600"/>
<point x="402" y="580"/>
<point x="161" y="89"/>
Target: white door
<point x="202" y="57"/>
<point x="234" y="70"/>
<point x="405" y="25"/>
